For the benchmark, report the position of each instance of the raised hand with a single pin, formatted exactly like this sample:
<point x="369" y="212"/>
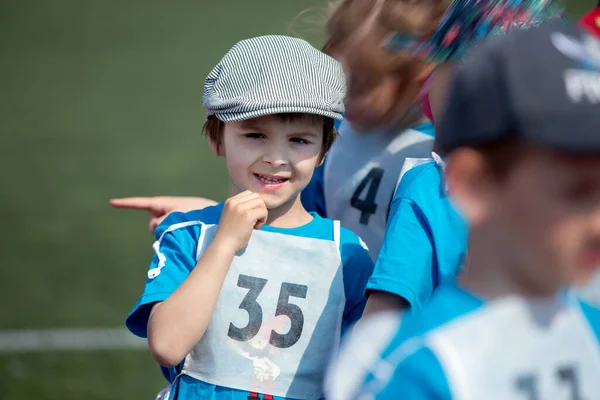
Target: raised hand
<point x="241" y="215"/>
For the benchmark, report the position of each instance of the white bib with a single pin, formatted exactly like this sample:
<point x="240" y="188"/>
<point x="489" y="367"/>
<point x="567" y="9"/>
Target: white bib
<point x="278" y="317"/>
<point x="517" y="350"/>
<point x="361" y="174"/>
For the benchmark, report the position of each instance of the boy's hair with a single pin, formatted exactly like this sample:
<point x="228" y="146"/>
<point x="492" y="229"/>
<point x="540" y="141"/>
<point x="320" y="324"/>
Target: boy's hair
<point x="501" y="156"/>
<point x="361" y="27"/>
<point x="213" y="129"/>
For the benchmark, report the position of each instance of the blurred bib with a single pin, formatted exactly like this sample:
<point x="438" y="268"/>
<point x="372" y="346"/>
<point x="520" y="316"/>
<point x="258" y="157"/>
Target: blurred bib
<point x="278" y="317"/>
<point x="519" y="349"/>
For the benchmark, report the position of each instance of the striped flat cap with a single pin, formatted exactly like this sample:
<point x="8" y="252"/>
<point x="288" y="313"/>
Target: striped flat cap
<point x="273" y="75"/>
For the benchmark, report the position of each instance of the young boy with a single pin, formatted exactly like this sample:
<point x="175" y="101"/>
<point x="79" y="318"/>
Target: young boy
<point x="522" y="137"/>
<point x="383" y="125"/>
<point x="252" y="295"/>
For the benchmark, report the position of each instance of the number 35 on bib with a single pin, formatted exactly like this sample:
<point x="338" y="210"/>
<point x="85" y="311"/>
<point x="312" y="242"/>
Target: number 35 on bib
<point x="278" y="317"/>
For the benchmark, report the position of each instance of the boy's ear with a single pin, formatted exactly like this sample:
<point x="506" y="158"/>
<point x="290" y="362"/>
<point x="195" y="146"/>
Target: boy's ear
<point x="217" y="148"/>
<point x="468" y="185"/>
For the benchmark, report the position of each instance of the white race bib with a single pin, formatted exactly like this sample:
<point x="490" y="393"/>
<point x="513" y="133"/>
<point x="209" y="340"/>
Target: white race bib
<point x="278" y="317"/>
<point x="514" y="349"/>
<point x="361" y="174"/>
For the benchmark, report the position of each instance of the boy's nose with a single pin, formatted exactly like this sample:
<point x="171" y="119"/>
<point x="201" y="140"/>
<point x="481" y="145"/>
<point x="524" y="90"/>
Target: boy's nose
<point x="275" y="157"/>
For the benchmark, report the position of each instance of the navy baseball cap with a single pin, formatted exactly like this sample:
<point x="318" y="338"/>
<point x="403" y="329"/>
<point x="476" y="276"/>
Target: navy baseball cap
<point x="540" y="85"/>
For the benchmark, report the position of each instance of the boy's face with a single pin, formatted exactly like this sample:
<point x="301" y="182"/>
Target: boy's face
<point x="271" y="157"/>
<point x="545" y="215"/>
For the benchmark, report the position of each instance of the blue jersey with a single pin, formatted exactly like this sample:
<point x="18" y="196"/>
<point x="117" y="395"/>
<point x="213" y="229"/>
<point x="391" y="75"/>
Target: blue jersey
<point x="356" y="183"/>
<point x="463" y="347"/>
<point x="182" y="238"/>
<point x="425" y="240"/>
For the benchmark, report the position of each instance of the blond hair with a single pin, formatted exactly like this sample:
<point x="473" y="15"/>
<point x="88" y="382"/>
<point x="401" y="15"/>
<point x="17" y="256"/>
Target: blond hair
<point x="360" y="27"/>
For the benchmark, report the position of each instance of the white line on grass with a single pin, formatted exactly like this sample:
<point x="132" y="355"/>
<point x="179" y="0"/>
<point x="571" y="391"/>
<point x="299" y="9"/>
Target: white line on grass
<point x="21" y="341"/>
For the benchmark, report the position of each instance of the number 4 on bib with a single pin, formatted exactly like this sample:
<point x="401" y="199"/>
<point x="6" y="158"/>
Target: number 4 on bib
<point x="367" y="207"/>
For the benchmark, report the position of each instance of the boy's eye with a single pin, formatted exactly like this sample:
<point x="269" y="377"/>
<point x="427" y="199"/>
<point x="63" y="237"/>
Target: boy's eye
<point x="299" y="140"/>
<point x="255" y="135"/>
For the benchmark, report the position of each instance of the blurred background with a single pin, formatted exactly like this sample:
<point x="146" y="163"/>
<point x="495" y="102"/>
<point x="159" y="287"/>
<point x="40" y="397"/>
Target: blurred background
<point x="102" y="99"/>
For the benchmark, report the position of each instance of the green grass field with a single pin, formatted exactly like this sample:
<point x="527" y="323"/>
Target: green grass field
<point x="101" y="99"/>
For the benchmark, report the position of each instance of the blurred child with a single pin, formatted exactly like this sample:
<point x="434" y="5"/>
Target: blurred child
<point x="383" y="122"/>
<point x="426" y="238"/>
<point x="529" y="186"/>
<point x="253" y="294"/>
<point x="425" y="242"/>
<point x="383" y="125"/>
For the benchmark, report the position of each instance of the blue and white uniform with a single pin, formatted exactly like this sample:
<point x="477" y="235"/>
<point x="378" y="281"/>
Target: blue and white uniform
<point x="463" y="347"/>
<point x="426" y="238"/>
<point x="357" y="181"/>
<point x="286" y="300"/>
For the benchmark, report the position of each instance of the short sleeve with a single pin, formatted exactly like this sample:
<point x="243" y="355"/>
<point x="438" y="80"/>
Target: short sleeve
<point x="357" y="267"/>
<point x="313" y="195"/>
<point x="405" y="265"/>
<point x="174" y="258"/>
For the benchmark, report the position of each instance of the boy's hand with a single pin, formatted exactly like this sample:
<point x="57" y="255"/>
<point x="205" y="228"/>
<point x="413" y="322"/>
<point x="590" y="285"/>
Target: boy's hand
<point x="161" y="206"/>
<point x="241" y="215"/>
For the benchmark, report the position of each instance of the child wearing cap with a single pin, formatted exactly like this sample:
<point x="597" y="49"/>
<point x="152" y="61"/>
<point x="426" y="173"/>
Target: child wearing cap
<point x="383" y="124"/>
<point x="252" y="295"/>
<point x="529" y="185"/>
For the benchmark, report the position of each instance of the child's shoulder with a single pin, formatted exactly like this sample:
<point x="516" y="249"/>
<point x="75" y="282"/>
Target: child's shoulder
<point x="448" y="305"/>
<point x="191" y="219"/>
<point x="331" y="228"/>
<point x="349" y="237"/>
<point x="420" y="173"/>
<point x="349" y="242"/>
<point x="424" y="184"/>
